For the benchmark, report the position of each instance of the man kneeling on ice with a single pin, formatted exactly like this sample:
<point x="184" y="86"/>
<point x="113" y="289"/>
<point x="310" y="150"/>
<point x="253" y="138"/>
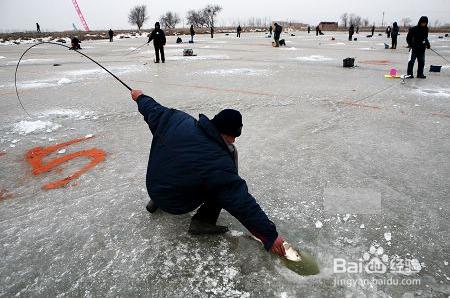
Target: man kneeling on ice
<point x="194" y="164"/>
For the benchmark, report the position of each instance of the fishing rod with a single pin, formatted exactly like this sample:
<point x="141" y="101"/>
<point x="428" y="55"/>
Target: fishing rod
<point x="135" y="49"/>
<point x="440" y="55"/>
<point x="57" y="44"/>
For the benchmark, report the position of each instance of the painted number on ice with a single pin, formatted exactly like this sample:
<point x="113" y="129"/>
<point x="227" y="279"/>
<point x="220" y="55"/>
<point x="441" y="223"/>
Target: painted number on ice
<point x="36" y="157"/>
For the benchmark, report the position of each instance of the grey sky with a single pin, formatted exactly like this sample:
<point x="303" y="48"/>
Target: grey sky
<point x="103" y="14"/>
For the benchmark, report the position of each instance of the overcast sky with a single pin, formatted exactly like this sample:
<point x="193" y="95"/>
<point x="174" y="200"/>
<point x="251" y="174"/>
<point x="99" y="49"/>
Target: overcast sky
<point x="18" y="15"/>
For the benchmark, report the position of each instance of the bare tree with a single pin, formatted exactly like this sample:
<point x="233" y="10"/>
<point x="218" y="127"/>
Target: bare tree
<point x="344" y="19"/>
<point x="169" y="20"/>
<point x="355" y="20"/>
<point x="138" y="16"/>
<point x="196" y="18"/>
<point x="211" y="11"/>
<point x="366" y="22"/>
<point x="406" y="21"/>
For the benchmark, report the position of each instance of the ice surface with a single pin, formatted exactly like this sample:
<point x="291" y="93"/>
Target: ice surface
<point x="308" y="125"/>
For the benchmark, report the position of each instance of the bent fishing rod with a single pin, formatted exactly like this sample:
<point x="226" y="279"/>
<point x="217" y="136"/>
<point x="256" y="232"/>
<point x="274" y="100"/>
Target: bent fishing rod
<point x="57" y="44"/>
<point x="440" y="55"/>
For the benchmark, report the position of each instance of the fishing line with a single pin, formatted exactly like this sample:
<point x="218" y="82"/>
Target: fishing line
<point x="52" y="43"/>
<point x="135" y="49"/>
<point x="440" y="55"/>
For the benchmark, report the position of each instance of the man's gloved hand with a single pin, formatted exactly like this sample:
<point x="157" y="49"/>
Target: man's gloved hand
<point x="278" y="247"/>
<point x="135" y="94"/>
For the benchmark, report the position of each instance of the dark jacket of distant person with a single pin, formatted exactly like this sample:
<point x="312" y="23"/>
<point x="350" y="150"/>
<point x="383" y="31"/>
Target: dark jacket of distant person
<point x="417" y="38"/>
<point x="395" y="30"/>
<point x="158" y="36"/>
<point x="277" y="31"/>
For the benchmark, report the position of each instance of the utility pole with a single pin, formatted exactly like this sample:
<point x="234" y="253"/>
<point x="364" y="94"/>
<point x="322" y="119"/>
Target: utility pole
<point x="382" y="22"/>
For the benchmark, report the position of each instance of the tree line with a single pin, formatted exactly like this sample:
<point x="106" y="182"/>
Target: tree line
<point x="205" y="17"/>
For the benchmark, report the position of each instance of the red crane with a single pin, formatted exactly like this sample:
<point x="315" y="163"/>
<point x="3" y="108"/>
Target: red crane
<point x="83" y="21"/>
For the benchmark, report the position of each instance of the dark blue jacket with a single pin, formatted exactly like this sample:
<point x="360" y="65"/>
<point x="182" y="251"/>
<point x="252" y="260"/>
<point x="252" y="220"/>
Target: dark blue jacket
<point x="190" y="163"/>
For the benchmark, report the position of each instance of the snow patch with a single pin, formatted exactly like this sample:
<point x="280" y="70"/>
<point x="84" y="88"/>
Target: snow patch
<point x="25" y="127"/>
<point x="207" y="57"/>
<point x="319" y="224"/>
<point x="314" y="58"/>
<point x="445" y="92"/>
<point x="2" y="57"/>
<point x="387" y="236"/>
<point x="234" y="72"/>
<point x="64" y="81"/>
<point x="235" y="233"/>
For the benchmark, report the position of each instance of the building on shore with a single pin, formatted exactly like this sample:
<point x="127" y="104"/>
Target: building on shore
<point x="328" y="26"/>
<point x="291" y="25"/>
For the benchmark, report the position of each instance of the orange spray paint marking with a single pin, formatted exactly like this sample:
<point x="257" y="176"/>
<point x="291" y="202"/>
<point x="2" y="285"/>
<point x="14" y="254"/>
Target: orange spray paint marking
<point x="376" y="62"/>
<point x="2" y="154"/>
<point x="440" y="114"/>
<point x="36" y="155"/>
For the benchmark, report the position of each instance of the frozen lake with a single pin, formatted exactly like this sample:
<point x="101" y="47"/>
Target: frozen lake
<point x="311" y="130"/>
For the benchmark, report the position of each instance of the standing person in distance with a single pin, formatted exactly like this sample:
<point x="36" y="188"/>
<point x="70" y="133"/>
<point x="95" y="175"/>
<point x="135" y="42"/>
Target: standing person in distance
<point x="192" y="31"/>
<point x="277" y="34"/>
<point x="111" y="35"/>
<point x="394" y="34"/>
<point x="417" y="40"/>
<point x="388" y="31"/>
<point x="351" y="31"/>
<point x="159" y="41"/>
<point x="238" y="30"/>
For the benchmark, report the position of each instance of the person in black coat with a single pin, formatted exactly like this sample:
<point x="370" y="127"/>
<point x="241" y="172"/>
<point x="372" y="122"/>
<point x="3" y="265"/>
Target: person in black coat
<point x="111" y="35"/>
<point x="38" y="28"/>
<point x="192" y="31"/>
<point x="417" y="40"/>
<point x="75" y="42"/>
<point x="388" y="31"/>
<point x="270" y="30"/>
<point x="159" y="41"/>
<point x="193" y="163"/>
<point x="357" y="29"/>
<point x="212" y="32"/>
<point x="373" y="30"/>
<point x="309" y="29"/>
<point x="277" y="34"/>
<point x="394" y="35"/>
<point x="238" y="30"/>
<point x="351" y="31"/>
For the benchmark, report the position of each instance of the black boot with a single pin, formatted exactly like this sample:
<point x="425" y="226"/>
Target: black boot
<point x="151" y="207"/>
<point x="421" y="76"/>
<point x="203" y="228"/>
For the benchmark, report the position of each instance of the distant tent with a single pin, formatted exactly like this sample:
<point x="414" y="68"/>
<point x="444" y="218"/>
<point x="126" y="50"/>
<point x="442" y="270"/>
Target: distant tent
<point x="74" y="27"/>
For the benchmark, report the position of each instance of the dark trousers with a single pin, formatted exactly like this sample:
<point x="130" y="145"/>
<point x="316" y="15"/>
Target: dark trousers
<point x="238" y="34"/>
<point x="159" y="48"/>
<point x="110" y="39"/>
<point x="420" y="55"/>
<point x="350" y="37"/>
<point x="388" y="35"/>
<point x="394" y="42"/>
<point x="208" y="212"/>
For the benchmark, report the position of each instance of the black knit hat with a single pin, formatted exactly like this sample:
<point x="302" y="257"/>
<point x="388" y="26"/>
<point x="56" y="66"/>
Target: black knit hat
<point x="423" y="19"/>
<point x="228" y="122"/>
